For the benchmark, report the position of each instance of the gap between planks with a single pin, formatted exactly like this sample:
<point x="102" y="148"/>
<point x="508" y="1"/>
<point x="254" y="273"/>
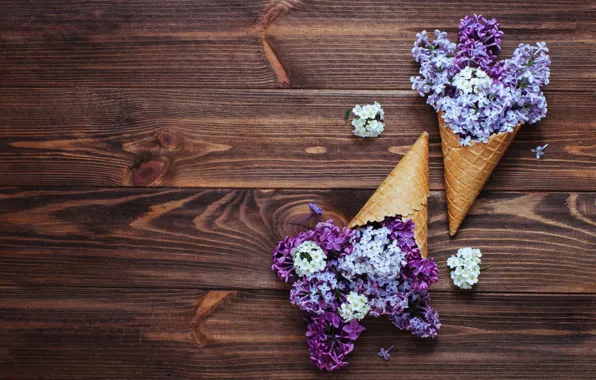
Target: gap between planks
<point x="338" y="91"/>
<point x="269" y="290"/>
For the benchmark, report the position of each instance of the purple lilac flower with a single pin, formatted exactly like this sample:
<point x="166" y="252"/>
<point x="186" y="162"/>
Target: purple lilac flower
<point x="399" y="291"/>
<point x="513" y="96"/>
<point x="333" y="240"/>
<point x="384" y="353"/>
<point x="479" y="40"/>
<point x="424" y="271"/>
<point x="317" y="294"/>
<point x="353" y="329"/>
<point x="384" y="295"/>
<point x="539" y="150"/>
<point x="419" y="318"/>
<point x="314" y="210"/>
<point x="403" y="231"/>
<point x="435" y="60"/>
<point x="480" y="29"/>
<point x="374" y="255"/>
<point x="283" y="263"/>
<point x="329" y="342"/>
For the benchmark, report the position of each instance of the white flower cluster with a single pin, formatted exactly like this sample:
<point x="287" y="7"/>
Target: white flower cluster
<point x="465" y="267"/>
<point x="309" y="258"/>
<point x="375" y="254"/>
<point x="355" y="307"/>
<point x="472" y="80"/>
<point x="367" y="120"/>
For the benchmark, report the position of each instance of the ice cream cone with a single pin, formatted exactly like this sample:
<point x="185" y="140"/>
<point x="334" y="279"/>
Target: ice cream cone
<point x="467" y="168"/>
<point x="404" y="192"/>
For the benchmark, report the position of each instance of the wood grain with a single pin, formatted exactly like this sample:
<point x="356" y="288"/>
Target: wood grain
<point x="535" y="242"/>
<point x="260" y="139"/>
<point x="103" y="277"/>
<point x="254" y="44"/>
<point x="158" y="334"/>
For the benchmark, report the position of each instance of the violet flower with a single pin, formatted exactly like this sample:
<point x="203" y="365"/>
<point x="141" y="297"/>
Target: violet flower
<point x="329" y="345"/>
<point x="314" y="210"/>
<point x="539" y="150"/>
<point x="384" y="353"/>
<point x="316" y="294"/>
<point x="394" y="283"/>
<point x="513" y="96"/>
<point x="283" y="262"/>
<point x="353" y="329"/>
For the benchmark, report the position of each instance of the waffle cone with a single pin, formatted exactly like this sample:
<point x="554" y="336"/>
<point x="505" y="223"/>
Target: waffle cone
<point x="404" y="192"/>
<point x="467" y="168"/>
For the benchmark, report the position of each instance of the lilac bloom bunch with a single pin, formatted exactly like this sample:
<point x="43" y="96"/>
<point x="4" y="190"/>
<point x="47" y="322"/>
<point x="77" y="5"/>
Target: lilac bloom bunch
<point x="333" y="240"/>
<point x="476" y="94"/>
<point x="374" y="270"/>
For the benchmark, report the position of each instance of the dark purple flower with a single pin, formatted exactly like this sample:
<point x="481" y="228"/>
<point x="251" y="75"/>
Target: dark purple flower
<point x="314" y="210"/>
<point x="424" y="271"/>
<point x="384" y="353"/>
<point x="479" y="40"/>
<point x="332" y="238"/>
<point x="283" y="262"/>
<point x="328" y="345"/>
<point x="419" y="318"/>
<point x="403" y="231"/>
<point x="353" y="329"/>
<point x="407" y="241"/>
<point x="334" y="319"/>
<point x="478" y="28"/>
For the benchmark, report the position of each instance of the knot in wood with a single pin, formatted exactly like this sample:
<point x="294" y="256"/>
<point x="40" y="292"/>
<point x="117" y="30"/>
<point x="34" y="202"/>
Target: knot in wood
<point x="167" y="140"/>
<point x="147" y="173"/>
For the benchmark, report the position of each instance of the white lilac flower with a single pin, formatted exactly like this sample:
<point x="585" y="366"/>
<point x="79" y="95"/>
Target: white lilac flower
<point x="539" y="150"/>
<point x="374" y="254"/>
<point x="367" y="120"/>
<point x="470" y="80"/>
<point x="465" y="267"/>
<point x="309" y="258"/>
<point x="355" y="307"/>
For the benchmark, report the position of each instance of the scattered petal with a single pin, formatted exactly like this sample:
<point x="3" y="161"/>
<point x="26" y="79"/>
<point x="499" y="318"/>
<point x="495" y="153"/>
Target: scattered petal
<point x="314" y="210"/>
<point x="384" y="353"/>
<point x="539" y="150"/>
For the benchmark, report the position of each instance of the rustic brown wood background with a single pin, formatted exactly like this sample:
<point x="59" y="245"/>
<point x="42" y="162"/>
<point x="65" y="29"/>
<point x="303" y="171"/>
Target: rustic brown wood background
<point x="152" y="153"/>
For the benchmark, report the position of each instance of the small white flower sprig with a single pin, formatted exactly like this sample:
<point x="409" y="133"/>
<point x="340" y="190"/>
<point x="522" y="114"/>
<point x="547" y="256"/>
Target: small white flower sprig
<point x="355" y="307"/>
<point x="368" y="120"/>
<point x="465" y="267"/>
<point x="309" y="258"/>
<point x="472" y="80"/>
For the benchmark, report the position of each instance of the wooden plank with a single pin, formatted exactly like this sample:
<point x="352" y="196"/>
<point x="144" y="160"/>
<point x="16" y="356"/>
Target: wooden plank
<point x="266" y="44"/>
<point x="535" y="242"/>
<point x="259" y="139"/>
<point x="155" y="334"/>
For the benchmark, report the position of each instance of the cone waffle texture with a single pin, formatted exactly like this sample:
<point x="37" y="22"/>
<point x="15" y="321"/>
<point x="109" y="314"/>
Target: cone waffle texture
<point x="467" y="168"/>
<point x="404" y="192"/>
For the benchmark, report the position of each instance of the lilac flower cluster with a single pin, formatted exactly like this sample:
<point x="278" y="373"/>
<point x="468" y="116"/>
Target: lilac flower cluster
<point x="375" y="270"/>
<point x="452" y="78"/>
<point x="333" y="240"/>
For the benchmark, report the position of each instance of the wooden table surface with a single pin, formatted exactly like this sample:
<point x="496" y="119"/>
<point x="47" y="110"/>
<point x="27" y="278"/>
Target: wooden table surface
<point x="152" y="153"/>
